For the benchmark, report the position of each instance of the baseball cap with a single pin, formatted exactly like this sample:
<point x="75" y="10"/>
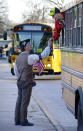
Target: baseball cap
<point x="24" y="42"/>
<point x="53" y="11"/>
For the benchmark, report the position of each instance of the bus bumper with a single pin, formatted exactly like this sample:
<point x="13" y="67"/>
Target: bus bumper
<point x="46" y="72"/>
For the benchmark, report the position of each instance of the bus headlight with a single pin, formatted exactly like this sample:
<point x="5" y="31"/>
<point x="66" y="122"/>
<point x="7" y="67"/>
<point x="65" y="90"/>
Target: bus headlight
<point x="49" y="65"/>
<point x="13" y="64"/>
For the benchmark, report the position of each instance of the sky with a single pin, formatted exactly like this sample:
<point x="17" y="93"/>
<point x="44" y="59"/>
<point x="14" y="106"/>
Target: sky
<point x="17" y="7"/>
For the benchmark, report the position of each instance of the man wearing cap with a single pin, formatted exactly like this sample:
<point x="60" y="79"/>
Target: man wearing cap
<point x="59" y="21"/>
<point x="23" y="70"/>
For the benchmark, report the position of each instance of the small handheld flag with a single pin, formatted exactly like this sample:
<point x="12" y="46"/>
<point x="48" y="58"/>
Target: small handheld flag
<point x="39" y="66"/>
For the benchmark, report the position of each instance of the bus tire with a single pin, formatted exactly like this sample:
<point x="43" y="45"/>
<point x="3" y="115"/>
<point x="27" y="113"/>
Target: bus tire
<point x="80" y="118"/>
<point x="12" y="71"/>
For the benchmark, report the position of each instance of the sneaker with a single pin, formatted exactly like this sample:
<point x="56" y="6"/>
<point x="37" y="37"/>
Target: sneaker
<point x="26" y="124"/>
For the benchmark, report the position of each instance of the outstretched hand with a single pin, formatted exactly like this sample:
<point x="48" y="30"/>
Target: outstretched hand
<point x="50" y="42"/>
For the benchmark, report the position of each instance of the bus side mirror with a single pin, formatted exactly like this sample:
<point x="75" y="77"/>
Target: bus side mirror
<point x="17" y="35"/>
<point x="5" y="35"/>
<point x="7" y="53"/>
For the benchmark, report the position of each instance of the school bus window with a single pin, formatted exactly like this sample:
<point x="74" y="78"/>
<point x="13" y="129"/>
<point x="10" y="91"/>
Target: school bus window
<point x="44" y="39"/>
<point x="67" y="20"/>
<point x="82" y="27"/>
<point x="74" y="27"/>
<point x="56" y="44"/>
<point x="69" y="37"/>
<point x="66" y="38"/>
<point x="62" y="38"/>
<point x="17" y="36"/>
<point x="78" y="36"/>
<point x="67" y="28"/>
<point x="82" y="36"/>
<point x="71" y="18"/>
<point x="70" y="27"/>
<point x="80" y="15"/>
<point x="74" y="37"/>
<point x="79" y="29"/>
<point x="75" y="16"/>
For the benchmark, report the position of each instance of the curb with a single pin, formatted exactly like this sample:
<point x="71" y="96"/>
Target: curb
<point x="54" y="122"/>
<point x="48" y="77"/>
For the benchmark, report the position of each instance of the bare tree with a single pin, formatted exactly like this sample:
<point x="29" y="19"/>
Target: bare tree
<point x="36" y="15"/>
<point x="58" y="3"/>
<point x="3" y="15"/>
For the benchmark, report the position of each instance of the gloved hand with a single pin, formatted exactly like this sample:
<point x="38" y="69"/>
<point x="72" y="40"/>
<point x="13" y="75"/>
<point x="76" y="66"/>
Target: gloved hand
<point x="34" y="83"/>
<point x="33" y="58"/>
<point x="50" y="42"/>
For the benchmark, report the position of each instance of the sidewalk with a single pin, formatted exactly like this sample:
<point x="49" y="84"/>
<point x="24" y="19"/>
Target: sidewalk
<point x="8" y="95"/>
<point x="49" y="97"/>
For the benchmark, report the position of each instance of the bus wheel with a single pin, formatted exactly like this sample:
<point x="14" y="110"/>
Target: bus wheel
<point x="80" y="118"/>
<point x="12" y="71"/>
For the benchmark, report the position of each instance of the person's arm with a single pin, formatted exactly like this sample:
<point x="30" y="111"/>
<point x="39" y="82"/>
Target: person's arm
<point x="32" y="59"/>
<point x="16" y="70"/>
<point x="46" y="51"/>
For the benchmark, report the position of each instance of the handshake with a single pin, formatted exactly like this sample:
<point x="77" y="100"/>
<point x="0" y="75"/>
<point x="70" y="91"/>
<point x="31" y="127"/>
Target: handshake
<point x="50" y="42"/>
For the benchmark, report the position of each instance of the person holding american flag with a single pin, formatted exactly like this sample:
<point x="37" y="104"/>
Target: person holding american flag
<point x="23" y="69"/>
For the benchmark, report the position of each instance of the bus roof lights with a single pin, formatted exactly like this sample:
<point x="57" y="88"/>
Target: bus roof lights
<point x="49" y="29"/>
<point x="19" y="28"/>
<point x="45" y="29"/>
<point x="15" y="29"/>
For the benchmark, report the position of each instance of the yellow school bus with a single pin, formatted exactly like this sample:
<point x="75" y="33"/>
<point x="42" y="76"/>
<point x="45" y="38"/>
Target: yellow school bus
<point x="38" y="34"/>
<point x="72" y="60"/>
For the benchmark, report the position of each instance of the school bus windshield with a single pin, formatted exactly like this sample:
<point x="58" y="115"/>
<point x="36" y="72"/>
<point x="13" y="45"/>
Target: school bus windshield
<point x="38" y="40"/>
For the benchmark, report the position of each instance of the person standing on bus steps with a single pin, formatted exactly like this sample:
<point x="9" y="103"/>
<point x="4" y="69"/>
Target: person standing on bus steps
<point x="24" y="73"/>
<point x="59" y="21"/>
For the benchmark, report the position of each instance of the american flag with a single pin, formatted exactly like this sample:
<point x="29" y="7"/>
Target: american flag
<point x="39" y="66"/>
